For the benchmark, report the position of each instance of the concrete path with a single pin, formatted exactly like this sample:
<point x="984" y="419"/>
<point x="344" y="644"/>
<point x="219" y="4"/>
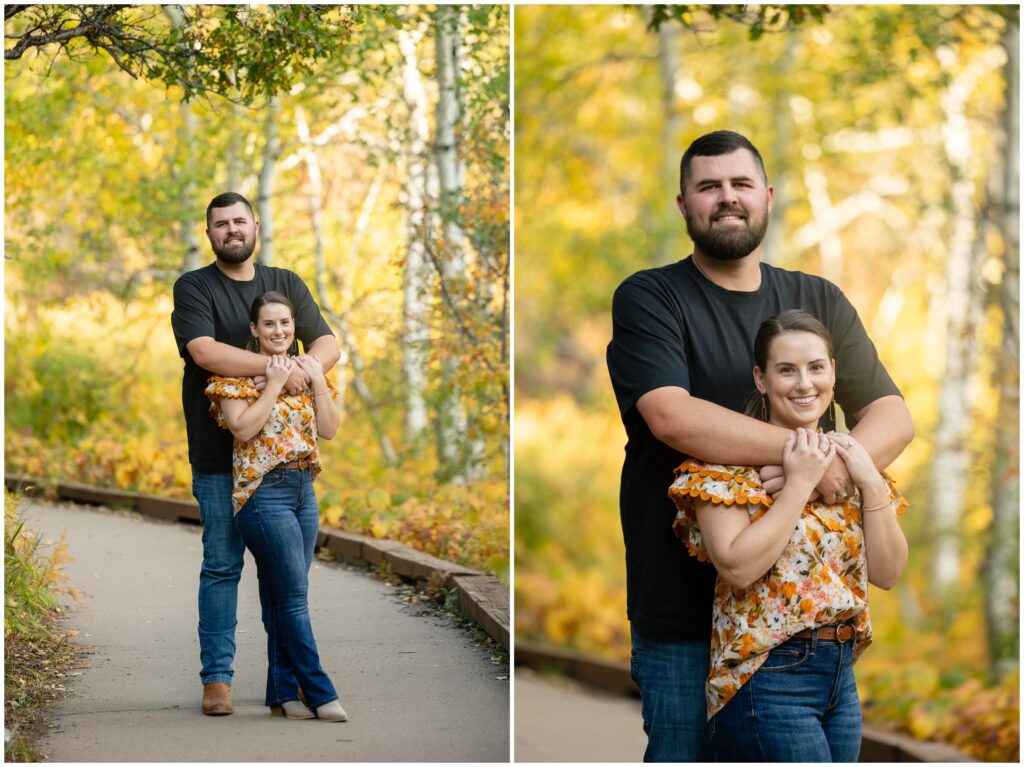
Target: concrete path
<point x="558" y="720"/>
<point x="416" y="687"/>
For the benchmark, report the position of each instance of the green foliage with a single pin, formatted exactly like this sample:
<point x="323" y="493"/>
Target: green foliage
<point x="62" y="391"/>
<point x="242" y="52"/>
<point x="30" y="577"/>
<point x="757" y="18"/>
<point x="34" y="653"/>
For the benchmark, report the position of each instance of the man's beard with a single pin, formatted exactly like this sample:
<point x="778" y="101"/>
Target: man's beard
<point x="234" y="255"/>
<point x="729" y="244"/>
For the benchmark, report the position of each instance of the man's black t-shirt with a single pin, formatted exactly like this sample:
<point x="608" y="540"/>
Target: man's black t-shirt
<point x="208" y="303"/>
<point x="674" y="327"/>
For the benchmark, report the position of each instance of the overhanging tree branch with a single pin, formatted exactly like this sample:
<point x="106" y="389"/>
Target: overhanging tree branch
<point x="241" y="53"/>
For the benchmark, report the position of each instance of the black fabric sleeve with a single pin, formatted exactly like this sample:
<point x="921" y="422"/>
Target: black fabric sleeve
<point x="192" y="316"/>
<point x="309" y="322"/>
<point x="860" y="376"/>
<point x="647" y="348"/>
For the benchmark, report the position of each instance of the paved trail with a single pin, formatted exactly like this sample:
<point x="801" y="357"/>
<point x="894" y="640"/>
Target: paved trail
<point x="558" y="720"/>
<point x="416" y="687"/>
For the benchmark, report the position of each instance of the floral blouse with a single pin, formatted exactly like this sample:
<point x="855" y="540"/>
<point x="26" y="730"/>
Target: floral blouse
<point x="820" y="578"/>
<point x="288" y="435"/>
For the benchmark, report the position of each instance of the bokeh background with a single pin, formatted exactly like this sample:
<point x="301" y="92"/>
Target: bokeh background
<point x="373" y="142"/>
<point x="890" y="134"/>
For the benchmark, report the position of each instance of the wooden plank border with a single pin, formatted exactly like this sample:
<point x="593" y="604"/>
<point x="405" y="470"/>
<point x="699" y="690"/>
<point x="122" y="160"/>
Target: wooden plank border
<point x="482" y="598"/>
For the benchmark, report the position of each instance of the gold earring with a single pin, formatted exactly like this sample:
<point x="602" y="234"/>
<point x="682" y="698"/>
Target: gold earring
<point x="832" y="408"/>
<point x="764" y="408"/>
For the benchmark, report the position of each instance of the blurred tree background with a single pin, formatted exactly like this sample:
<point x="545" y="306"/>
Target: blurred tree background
<point x="891" y="135"/>
<point x="373" y="142"/>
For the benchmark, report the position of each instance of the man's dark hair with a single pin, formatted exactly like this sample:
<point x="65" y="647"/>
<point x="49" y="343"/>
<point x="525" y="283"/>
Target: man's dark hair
<point x="714" y="144"/>
<point x="226" y="200"/>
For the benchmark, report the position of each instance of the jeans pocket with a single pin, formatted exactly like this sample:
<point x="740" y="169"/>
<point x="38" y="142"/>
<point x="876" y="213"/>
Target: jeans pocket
<point x="273" y="478"/>
<point x="787" y="657"/>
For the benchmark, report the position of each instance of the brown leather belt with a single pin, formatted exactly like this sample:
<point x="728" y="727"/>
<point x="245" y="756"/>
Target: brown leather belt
<point x="841" y="633"/>
<point x="304" y="463"/>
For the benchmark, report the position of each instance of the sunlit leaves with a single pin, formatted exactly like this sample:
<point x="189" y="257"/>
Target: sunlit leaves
<point x="244" y="52"/>
<point x="758" y="19"/>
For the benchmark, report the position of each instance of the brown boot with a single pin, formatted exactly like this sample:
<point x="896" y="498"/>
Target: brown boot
<point x="217" y="699"/>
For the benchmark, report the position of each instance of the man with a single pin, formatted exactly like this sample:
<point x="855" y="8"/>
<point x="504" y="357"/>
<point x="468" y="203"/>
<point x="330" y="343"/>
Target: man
<point x="211" y="327"/>
<point x="680" y="360"/>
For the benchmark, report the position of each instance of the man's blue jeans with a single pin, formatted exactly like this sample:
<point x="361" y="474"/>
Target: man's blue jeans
<point x="279" y="524"/>
<point x="800" y="706"/>
<point x="218" y="578"/>
<point x="671" y="677"/>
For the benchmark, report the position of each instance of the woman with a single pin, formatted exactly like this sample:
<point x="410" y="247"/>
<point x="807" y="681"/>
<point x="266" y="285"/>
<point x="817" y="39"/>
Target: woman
<point x="275" y="460"/>
<point x="790" y="611"/>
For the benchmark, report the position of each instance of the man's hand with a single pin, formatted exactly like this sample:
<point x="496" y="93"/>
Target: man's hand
<point x="836" y="484"/>
<point x="773" y="479"/>
<point x="298" y="381"/>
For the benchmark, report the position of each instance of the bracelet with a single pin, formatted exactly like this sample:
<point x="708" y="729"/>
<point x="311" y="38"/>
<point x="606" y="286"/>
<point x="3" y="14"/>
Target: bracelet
<point x="318" y="393"/>
<point x="887" y="504"/>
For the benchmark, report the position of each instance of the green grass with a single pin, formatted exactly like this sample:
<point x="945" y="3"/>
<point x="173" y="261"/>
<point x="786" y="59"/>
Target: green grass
<point x="36" y="655"/>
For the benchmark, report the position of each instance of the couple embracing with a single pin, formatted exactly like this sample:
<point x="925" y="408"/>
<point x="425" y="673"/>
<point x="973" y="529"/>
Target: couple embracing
<point x="752" y="527"/>
<point x="254" y="410"/>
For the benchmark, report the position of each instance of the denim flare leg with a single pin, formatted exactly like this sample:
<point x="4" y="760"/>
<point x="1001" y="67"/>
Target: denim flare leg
<point x="279" y="524"/>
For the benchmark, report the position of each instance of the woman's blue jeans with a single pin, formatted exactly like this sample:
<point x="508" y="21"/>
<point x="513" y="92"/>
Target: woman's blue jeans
<point x="800" y="706"/>
<point x="279" y="524"/>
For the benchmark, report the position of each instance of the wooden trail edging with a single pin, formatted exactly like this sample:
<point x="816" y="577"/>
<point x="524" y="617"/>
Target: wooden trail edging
<point x="482" y="598"/>
<point x="877" y="745"/>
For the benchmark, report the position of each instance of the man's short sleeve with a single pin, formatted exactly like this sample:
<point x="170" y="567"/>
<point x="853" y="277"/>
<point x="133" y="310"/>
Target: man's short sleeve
<point x="309" y="322"/>
<point x="861" y="378"/>
<point x="647" y="348"/>
<point x="192" y="316"/>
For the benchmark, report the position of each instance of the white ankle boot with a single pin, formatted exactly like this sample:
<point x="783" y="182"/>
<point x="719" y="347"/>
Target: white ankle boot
<point x="332" y="712"/>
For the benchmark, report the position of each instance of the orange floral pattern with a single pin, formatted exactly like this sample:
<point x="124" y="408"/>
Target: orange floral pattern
<point x="288" y="435"/>
<point x="819" y="579"/>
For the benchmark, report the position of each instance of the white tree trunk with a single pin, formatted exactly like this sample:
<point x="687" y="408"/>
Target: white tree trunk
<point x="456" y="451"/>
<point x="669" y="65"/>
<point x="771" y="251"/>
<point x="349" y="351"/>
<point x="963" y="302"/>
<point x="416" y="275"/>
<point x="264" y="201"/>
<point x="1003" y="551"/>
<point x="234" y="161"/>
<point x="186" y="141"/>
<point x="314" y="196"/>
<point x="190" y="241"/>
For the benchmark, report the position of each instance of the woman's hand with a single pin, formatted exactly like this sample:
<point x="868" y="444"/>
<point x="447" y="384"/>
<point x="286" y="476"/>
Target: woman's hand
<point x="860" y="465"/>
<point x="279" y="368"/>
<point x="805" y="456"/>
<point x="311" y="366"/>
